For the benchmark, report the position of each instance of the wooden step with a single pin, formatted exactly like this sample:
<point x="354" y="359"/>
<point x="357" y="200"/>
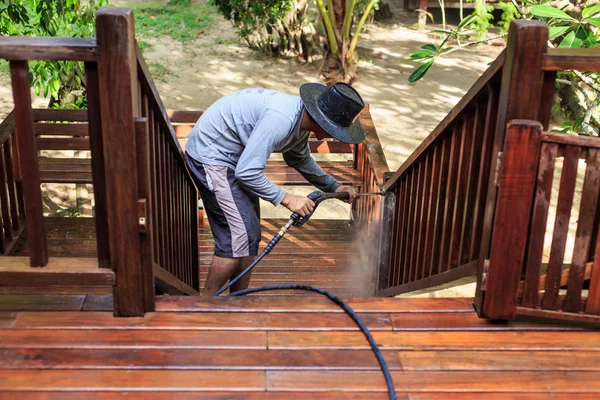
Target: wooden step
<point x="74" y="170"/>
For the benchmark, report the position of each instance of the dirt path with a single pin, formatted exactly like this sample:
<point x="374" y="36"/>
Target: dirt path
<point x="404" y="113"/>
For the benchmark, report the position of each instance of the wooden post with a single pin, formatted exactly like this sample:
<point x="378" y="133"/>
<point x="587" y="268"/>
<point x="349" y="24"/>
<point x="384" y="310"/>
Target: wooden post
<point x="117" y="79"/>
<point x="28" y="159"/>
<point x="513" y="213"/>
<point x="98" y="175"/>
<point x="520" y="98"/>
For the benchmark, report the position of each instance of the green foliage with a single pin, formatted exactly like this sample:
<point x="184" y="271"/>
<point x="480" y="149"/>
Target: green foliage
<point x="566" y="30"/>
<point x="180" y="19"/>
<point x="144" y="45"/>
<point x="251" y="16"/>
<point x="483" y="18"/>
<point x="158" y="71"/>
<point x="509" y="13"/>
<point x="61" y="80"/>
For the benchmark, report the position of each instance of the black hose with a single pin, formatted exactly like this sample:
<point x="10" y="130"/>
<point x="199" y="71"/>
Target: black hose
<point x="266" y="251"/>
<point x="348" y="310"/>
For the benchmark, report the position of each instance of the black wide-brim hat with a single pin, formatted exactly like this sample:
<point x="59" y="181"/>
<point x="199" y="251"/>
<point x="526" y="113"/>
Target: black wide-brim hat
<point x="335" y="109"/>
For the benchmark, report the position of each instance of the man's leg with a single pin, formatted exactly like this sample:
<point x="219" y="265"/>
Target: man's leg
<point x="221" y="270"/>
<point x="245" y="281"/>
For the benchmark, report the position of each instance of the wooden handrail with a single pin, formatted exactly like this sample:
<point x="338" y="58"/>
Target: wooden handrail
<point x="491" y="74"/>
<point x="561" y="138"/>
<point x="7" y="127"/>
<point x="22" y="48"/>
<point x="373" y="147"/>
<point x="558" y="59"/>
<point x="146" y="80"/>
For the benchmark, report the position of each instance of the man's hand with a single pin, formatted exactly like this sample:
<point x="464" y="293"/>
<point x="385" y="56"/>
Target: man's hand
<point x="348" y="189"/>
<point x="298" y="204"/>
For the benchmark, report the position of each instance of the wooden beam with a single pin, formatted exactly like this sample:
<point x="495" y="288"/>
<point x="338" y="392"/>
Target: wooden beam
<point x="24" y="48"/>
<point x="560" y="59"/>
<point x="60" y="271"/>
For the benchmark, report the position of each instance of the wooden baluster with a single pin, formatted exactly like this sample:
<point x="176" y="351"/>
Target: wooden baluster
<point x="566" y="192"/>
<point x="445" y="152"/>
<point x="195" y="233"/>
<point x="166" y="263"/>
<point x="431" y="208"/>
<point x="484" y="171"/>
<point x="462" y="188"/>
<point x="117" y="77"/>
<point x="32" y="194"/>
<point x="412" y="202"/>
<point x="589" y="201"/>
<point x="520" y="97"/>
<point x="397" y="231"/>
<point x="98" y="174"/>
<point x="153" y="178"/>
<point x="476" y="156"/>
<point x="513" y="210"/>
<point x="592" y="305"/>
<point x="451" y="189"/>
<point x="422" y="221"/>
<point x="180" y="242"/>
<point x="535" y="248"/>
<point x="6" y="217"/>
<point x="159" y="168"/>
<point x="142" y="140"/>
<point x="12" y="191"/>
<point x="18" y="175"/>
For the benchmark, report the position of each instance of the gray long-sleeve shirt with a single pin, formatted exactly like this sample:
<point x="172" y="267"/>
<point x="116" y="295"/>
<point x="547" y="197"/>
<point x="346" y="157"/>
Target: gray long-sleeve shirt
<point x="242" y="129"/>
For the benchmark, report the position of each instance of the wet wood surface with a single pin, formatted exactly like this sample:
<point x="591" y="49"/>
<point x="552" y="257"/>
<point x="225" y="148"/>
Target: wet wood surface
<point x="259" y="347"/>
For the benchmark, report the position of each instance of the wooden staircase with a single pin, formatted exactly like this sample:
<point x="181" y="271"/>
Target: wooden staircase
<point x="285" y="347"/>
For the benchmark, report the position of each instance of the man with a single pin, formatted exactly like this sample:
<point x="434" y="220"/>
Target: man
<point x="227" y="151"/>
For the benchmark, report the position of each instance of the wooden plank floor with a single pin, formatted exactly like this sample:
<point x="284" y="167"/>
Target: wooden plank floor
<point x="285" y="347"/>
<point x="322" y="254"/>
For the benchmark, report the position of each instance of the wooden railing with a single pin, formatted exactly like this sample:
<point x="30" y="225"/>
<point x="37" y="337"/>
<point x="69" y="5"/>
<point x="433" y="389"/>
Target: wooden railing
<point x="12" y="221"/>
<point x="515" y="278"/>
<point x="437" y="198"/>
<point x="145" y="199"/>
<point x="171" y="203"/>
<point x="367" y="211"/>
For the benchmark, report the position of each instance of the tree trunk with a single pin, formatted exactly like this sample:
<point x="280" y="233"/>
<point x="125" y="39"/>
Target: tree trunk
<point x="335" y="67"/>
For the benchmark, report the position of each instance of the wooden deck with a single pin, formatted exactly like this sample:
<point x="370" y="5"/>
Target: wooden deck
<point x="322" y="253"/>
<point x="285" y="347"/>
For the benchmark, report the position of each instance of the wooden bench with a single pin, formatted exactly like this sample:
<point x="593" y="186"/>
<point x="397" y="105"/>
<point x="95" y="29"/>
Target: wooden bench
<point x="67" y="130"/>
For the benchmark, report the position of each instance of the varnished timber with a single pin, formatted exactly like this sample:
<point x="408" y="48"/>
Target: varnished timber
<point x="20" y="48"/>
<point x="231" y="348"/>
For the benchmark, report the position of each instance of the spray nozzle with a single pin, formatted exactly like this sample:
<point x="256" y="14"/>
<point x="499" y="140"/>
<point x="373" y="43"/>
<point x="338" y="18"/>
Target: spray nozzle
<point x="317" y="197"/>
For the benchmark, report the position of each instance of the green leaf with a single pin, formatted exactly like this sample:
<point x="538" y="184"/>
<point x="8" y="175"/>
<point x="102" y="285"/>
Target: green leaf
<point x="442" y="31"/>
<point x="587" y="36"/>
<point x="556" y="31"/>
<point x="430" y="47"/>
<point x="418" y="55"/>
<point x="550" y="12"/>
<point x="570" y="41"/>
<point x="420" y="72"/>
<point x="590" y="11"/>
<point x="593" y="21"/>
<point x="466" y="21"/>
